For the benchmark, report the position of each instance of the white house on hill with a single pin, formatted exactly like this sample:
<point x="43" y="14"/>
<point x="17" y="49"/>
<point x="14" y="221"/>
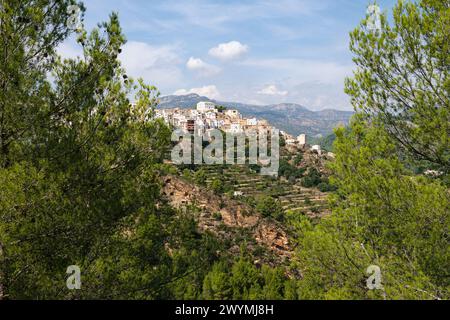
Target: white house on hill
<point x="252" y="122"/>
<point x="205" y="106"/>
<point x="233" y="113"/>
<point x="317" y="148"/>
<point x="301" y="139"/>
<point x="235" y="128"/>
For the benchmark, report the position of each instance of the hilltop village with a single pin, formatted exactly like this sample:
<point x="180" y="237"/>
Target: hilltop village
<point x="208" y="116"/>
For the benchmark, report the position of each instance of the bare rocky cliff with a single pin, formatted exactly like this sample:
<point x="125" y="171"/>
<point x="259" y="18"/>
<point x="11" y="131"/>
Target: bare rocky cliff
<point x="226" y="218"/>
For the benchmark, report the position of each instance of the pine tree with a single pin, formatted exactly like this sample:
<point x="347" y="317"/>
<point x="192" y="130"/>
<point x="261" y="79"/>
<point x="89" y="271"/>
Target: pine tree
<point x="79" y="166"/>
<point x="402" y="78"/>
<point x="384" y="214"/>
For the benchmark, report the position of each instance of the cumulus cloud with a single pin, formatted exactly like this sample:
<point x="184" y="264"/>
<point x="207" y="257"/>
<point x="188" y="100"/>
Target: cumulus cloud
<point x="203" y="68"/>
<point x="272" y="90"/>
<point x="158" y="65"/>
<point x="229" y="51"/>
<point x="210" y="91"/>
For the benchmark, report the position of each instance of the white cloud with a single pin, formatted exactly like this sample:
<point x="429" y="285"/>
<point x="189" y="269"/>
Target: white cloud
<point x="69" y="50"/>
<point x="158" y="65"/>
<point x="229" y="51"/>
<point x="210" y="91"/>
<point x="272" y="90"/>
<point x="203" y="68"/>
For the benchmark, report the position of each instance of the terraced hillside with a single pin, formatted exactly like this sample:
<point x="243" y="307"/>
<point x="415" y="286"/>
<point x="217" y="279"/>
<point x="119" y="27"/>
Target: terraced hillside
<point x="292" y="196"/>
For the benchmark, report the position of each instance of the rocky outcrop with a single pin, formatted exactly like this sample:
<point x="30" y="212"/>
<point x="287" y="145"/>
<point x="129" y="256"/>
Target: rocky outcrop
<point x="217" y="211"/>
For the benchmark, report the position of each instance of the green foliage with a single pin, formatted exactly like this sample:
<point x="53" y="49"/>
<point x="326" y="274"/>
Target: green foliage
<point x="282" y="141"/>
<point x="244" y="281"/>
<point x="327" y="142"/>
<point x="200" y="177"/>
<point x="80" y="174"/>
<point x="269" y="207"/>
<point x="256" y="168"/>
<point x="79" y="168"/>
<point x="289" y="171"/>
<point x="382" y="216"/>
<point x="312" y="179"/>
<point x="403" y="79"/>
<point x="187" y="174"/>
<point x="326" y="187"/>
<point x="221" y="108"/>
<point x="308" y="201"/>
<point x="216" y="285"/>
<point x="217" y="186"/>
<point x="298" y="159"/>
<point x="385" y="214"/>
<point x="217" y="216"/>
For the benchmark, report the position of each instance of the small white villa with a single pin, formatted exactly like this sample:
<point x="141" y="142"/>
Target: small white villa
<point x="252" y="122"/>
<point x="317" y="148"/>
<point x="205" y="106"/>
<point x="301" y="139"/>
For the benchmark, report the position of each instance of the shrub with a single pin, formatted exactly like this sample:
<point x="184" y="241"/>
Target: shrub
<point x="269" y="207"/>
<point x="217" y="186"/>
<point x="200" y="177"/>
<point x="326" y="187"/>
<point x="312" y="179"/>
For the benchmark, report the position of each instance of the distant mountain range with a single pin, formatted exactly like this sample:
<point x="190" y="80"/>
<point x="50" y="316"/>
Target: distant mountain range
<point x="292" y="118"/>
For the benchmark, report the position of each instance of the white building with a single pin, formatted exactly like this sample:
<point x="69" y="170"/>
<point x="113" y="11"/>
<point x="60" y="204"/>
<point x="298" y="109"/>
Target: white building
<point x="205" y="106"/>
<point x="194" y="113"/>
<point x="291" y="141"/>
<point x="235" y="128"/>
<point x="210" y="115"/>
<point x="212" y="123"/>
<point x="252" y="122"/>
<point x="179" y="120"/>
<point x="301" y="139"/>
<point x="232" y="113"/>
<point x="433" y="173"/>
<point x="200" y="125"/>
<point x="317" y="148"/>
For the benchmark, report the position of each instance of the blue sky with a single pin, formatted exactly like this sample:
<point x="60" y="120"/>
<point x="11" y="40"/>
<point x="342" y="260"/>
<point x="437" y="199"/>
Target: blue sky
<point x="251" y="51"/>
